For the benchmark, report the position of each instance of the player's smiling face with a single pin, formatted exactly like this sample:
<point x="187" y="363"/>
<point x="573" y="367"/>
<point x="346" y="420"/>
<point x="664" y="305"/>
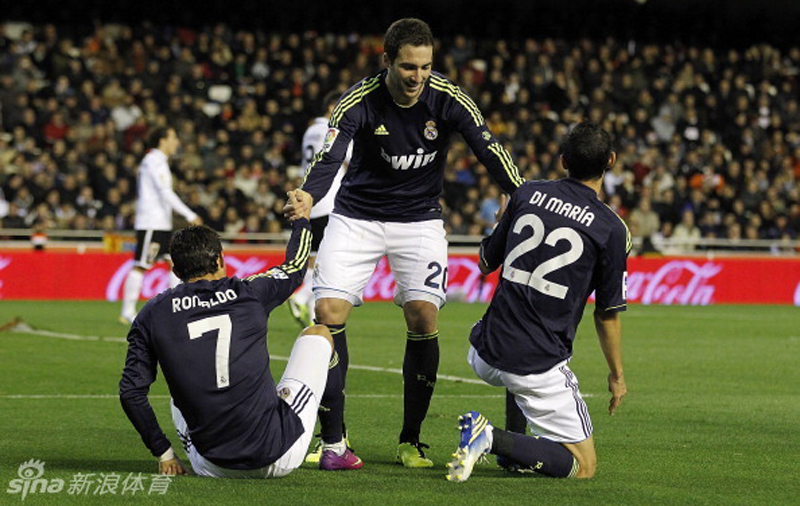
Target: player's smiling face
<point x="408" y="73"/>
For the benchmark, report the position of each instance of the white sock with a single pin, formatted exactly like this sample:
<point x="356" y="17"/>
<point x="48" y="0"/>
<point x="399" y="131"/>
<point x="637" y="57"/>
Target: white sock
<point x="337" y="448"/>
<point x="130" y="293"/>
<point x="489" y="435"/>
<point x="173" y="279"/>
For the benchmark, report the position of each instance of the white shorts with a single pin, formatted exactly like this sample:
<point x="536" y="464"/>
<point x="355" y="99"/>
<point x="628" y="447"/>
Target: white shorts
<point x="151" y="245"/>
<point x="551" y="401"/>
<point x="351" y="248"/>
<point x="307" y="369"/>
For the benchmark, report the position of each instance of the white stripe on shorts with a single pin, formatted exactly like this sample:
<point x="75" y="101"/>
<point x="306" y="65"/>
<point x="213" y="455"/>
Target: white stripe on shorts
<point x="583" y="411"/>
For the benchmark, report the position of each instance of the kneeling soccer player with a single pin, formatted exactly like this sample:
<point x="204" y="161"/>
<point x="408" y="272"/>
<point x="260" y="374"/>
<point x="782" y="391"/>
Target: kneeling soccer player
<point x="557" y="243"/>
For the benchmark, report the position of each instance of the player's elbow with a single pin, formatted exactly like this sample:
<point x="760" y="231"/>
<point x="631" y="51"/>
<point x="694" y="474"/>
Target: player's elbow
<point x="132" y="397"/>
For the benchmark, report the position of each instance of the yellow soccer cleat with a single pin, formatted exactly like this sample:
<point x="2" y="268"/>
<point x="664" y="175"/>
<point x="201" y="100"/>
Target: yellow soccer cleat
<point x="411" y="455"/>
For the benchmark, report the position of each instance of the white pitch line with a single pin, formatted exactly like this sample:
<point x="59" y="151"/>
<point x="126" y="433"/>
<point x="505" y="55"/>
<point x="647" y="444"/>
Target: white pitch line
<point x="24" y="329"/>
<point x="77" y="337"/>
<point x="457" y="379"/>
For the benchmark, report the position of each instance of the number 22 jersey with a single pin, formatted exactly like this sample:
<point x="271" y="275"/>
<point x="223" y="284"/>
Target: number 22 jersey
<point x="557" y="243"/>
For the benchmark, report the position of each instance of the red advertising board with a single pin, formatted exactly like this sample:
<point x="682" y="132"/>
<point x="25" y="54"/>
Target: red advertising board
<point x="669" y="280"/>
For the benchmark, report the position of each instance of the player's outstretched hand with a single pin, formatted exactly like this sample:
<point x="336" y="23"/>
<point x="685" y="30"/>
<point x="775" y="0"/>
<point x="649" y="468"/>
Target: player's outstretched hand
<point x="616" y="385"/>
<point x="172" y="467"/>
<point x="197" y="221"/>
<point x="298" y="205"/>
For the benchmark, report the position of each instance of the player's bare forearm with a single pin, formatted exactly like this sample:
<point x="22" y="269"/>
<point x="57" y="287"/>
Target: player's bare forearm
<point x="609" y="331"/>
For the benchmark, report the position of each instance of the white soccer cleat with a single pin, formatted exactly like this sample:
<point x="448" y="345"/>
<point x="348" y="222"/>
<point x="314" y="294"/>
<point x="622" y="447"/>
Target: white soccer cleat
<point x="476" y="441"/>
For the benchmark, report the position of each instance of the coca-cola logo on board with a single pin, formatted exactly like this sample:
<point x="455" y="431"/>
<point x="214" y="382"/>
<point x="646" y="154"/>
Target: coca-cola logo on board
<point x="676" y="282"/>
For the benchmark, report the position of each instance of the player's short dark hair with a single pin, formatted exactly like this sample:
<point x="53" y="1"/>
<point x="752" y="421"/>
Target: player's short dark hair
<point x="404" y="31"/>
<point x="155" y="135"/>
<point x="194" y="251"/>
<point x="586" y="151"/>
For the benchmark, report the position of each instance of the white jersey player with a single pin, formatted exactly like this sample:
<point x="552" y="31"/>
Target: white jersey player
<point x="301" y="303"/>
<point x="154" y="205"/>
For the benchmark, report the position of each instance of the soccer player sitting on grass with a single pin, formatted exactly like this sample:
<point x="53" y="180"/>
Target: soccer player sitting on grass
<point x="209" y="335"/>
<point x="556" y="242"/>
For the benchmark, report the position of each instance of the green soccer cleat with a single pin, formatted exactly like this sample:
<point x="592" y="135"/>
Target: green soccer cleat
<point x="411" y="455"/>
<point x="300" y="312"/>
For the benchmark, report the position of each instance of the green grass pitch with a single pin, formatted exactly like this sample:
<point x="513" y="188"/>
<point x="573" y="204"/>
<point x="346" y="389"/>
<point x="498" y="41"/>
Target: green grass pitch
<point x="711" y="417"/>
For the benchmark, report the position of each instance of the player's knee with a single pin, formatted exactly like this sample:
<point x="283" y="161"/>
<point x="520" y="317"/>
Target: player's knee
<point x="332" y="311"/>
<point x="318" y="330"/>
<point x="585" y="454"/>
<point x="587" y="465"/>
<point x="421" y="316"/>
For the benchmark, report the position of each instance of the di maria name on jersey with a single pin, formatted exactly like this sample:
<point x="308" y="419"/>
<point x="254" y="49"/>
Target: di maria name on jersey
<point x="399" y="153"/>
<point x="210" y="338"/>
<point x="557" y="242"/>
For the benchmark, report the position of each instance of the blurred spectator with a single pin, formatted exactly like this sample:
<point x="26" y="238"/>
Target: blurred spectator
<point x="647" y="220"/>
<point x="686" y="233"/>
<point x="712" y="130"/>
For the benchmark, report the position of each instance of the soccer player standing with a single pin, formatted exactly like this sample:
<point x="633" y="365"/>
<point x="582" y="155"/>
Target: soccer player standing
<point x="400" y="121"/>
<point x="154" y="205"/>
<point x="556" y="242"/>
<point x="209" y="335"/>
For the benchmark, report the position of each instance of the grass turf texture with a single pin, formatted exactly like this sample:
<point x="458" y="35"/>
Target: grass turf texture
<point x="710" y="418"/>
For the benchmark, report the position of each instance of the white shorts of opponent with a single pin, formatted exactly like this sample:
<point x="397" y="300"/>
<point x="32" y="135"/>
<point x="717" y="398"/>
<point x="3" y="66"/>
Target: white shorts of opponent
<point x="551" y="401"/>
<point x="351" y="248"/>
<point x="307" y="369"/>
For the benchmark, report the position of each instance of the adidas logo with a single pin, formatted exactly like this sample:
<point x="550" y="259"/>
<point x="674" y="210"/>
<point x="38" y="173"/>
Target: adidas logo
<point x="381" y="130"/>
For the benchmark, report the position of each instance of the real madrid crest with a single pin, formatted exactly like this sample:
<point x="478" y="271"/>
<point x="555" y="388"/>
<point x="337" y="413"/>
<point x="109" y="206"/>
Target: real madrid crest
<point x="430" y="130"/>
<point x="284" y="393"/>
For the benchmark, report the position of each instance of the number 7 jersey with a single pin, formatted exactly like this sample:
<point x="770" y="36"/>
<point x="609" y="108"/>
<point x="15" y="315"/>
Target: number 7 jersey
<point x="210" y="338"/>
<point x="557" y="242"/>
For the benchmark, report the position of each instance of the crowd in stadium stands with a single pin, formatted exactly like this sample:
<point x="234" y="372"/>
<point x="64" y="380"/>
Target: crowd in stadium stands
<point x="708" y="140"/>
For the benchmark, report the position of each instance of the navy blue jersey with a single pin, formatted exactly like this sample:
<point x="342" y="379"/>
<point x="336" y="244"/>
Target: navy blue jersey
<point x="557" y="243"/>
<point x="210" y="338"/>
<point x="399" y="153"/>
